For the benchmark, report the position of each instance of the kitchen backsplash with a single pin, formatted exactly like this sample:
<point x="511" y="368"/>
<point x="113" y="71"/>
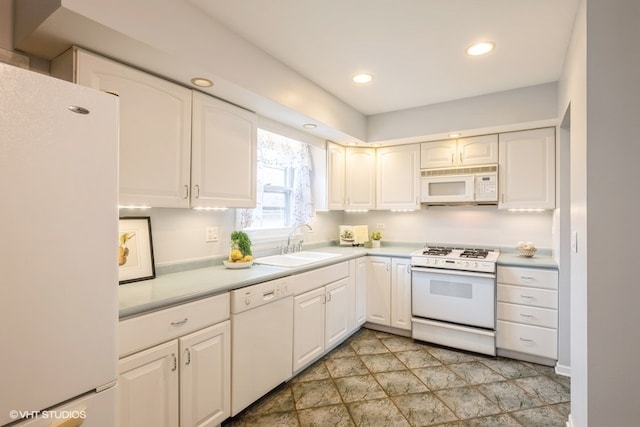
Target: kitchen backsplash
<point x="179" y="234"/>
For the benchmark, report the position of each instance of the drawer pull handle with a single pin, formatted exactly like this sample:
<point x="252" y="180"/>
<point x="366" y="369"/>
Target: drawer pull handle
<point x="526" y="277"/>
<point x="528" y="316"/>
<point x="188" y="362"/>
<point x="526" y="296"/>
<point x="180" y="323"/>
<point x="175" y="362"/>
<point x="527" y="340"/>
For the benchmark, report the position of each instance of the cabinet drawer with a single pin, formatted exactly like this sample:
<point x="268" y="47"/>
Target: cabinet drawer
<point x="525" y="314"/>
<point x="527" y="339"/>
<point x="310" y="280"/>
<point x="150" y="329"/>
<point x="528" y="296"/>
<point x="538" y="278"/>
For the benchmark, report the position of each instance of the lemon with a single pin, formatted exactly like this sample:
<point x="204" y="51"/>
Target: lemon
<point x="235" y="255"/>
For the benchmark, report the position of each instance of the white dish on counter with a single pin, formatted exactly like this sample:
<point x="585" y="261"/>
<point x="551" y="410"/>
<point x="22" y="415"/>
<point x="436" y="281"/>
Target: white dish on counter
<point x="237" y="265"/>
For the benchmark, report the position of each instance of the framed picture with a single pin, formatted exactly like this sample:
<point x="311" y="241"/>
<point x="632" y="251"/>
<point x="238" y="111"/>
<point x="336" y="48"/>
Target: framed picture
<point x="135" y="250"/>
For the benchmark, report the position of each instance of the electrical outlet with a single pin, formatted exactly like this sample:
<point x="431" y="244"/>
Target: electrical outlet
<point x="379" y="226"/>
<point x="211" y="234"/>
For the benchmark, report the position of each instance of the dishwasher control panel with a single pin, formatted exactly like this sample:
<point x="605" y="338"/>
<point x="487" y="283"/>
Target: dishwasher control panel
<point x="253" y="296"/>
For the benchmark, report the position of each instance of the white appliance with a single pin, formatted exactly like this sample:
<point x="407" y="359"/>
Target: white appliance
<point x="472" y="185"/>
<point x="59" y="228"/>
<point x="261" y="340"/>
<point x="453" y="297"/>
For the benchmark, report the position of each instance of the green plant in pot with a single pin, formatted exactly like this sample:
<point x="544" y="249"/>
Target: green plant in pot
<point x="375" y="236"/>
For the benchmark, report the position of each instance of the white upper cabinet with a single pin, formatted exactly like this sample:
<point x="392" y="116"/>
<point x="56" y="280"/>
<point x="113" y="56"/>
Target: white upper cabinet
<point x="360" y="178"/>
<point x="476" y="150"/>
<point x="155" y="128"/>
<point x="336" y="176"/>
<point x="223" y="167"/>
<point x="178" y="148"/>
<point x="398" y="177"/>
<point x="527" y="169"/>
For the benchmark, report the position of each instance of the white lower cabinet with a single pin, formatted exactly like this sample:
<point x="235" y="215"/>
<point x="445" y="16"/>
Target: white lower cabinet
<point x="185" y="381"/>
<point x="379" y="290"/>
<point x="388" y="292"/>
<point x="148" y="387"/>
<point x="401" y="293"/>
<point x="321" y="321"/>
<point x="205" y="376"/>
<point x="527" y="312"/>
<point x="359" y="275"/>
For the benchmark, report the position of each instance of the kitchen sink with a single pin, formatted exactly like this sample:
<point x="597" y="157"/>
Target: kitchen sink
<point x="296" y="259"/>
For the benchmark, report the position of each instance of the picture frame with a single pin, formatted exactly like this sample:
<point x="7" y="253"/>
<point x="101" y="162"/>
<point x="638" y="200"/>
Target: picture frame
<point x="135" y="250"/>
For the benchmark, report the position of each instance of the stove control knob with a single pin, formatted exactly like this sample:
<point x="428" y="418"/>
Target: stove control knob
<point x="474" y="264"/>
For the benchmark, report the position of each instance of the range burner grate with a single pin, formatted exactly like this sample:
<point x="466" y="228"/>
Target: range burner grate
<point x="474" y="253"/>
<point x="437" y="250"/>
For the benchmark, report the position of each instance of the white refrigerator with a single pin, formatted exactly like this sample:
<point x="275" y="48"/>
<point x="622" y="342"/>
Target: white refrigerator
<point x="58" y="251"/>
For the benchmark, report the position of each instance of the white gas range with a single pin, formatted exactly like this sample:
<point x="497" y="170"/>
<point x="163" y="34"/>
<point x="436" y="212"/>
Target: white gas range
<point x="453" y="297"/>
<point x="470" y="259"/>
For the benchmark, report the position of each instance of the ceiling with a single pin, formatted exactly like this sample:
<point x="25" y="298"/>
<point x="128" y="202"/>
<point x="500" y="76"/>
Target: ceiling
<point x="414" y="48"/>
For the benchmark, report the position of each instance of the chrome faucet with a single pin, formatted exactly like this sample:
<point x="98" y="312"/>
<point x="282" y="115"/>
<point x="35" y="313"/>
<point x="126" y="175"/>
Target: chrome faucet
<point x="289" y="248"/>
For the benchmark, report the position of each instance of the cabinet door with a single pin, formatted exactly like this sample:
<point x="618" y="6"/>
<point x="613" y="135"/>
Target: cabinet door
<point x="337" y="312"/>
<point x="360" y="178"/>
<point x="155" y="131"/>
<point x="478" y="150"/>
<point x="308" y="327"/>
<point x="401" y="293"/>
<point x="527" y="169"/>
<point x="223" y="165"/>
<point x="361" y="291"/>
<point x="148" y="387"/>
<point x="336" y="176"/>
<point x="438" y="154"/>
<point x="379" y="290"/>
<point x="398" y="177"/>
<point x="205" y="376"/>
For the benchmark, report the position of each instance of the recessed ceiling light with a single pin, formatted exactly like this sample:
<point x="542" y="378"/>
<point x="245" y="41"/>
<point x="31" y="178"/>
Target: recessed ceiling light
<point x="480" y="48"/>
<point x="309" y="126"/>
<point x="362" y="78"/>
<point x="454" y="135"/>
<point x="201" y="82"/>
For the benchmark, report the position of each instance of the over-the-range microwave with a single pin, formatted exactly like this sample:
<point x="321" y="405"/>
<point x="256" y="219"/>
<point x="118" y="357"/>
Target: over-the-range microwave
<point x="466" y="185"/>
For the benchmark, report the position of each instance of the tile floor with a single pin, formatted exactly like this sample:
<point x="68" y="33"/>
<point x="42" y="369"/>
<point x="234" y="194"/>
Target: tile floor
<point x="379" y="379"/>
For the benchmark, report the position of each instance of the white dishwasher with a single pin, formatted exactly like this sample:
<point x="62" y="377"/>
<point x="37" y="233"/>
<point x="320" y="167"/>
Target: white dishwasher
<point x="261" y="340"/>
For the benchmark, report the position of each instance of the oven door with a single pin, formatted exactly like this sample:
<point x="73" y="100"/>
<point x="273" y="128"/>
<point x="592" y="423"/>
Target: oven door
<point x="462" y="297"/>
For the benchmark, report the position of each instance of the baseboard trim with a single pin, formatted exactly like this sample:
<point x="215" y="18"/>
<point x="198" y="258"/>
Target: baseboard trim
<point x="570" y="421"/>
<point x="563" y="370"/>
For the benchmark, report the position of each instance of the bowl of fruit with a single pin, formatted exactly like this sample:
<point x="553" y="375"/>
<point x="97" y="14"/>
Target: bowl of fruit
<point x="239" y="251"/>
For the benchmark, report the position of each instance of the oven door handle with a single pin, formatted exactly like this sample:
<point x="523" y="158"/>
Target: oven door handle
<point x="451" y="272"/>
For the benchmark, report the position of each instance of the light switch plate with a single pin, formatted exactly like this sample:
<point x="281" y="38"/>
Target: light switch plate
<point x="211" y="234"/>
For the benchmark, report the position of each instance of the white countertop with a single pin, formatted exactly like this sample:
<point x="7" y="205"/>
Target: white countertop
<point x="177" y="288"/>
